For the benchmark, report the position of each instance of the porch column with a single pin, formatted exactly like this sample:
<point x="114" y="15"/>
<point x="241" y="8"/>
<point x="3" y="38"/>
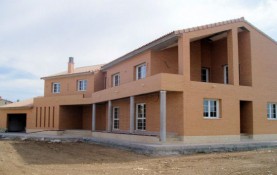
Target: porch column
<point x="132" y="114"/>
<point x="233" y="56"/>
<point x="93" y="117"/>
<point x="109" y="128"/>
<point x="163" y="116"/>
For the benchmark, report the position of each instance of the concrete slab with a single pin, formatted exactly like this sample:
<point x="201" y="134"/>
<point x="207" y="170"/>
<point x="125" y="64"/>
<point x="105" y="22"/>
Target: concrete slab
<point x="155" y="149"/>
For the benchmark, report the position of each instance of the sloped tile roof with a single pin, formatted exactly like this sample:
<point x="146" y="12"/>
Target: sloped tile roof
<point x="78" y="70"/>
<point x="21" y="104"/>
<point x="177" y="33"/>
<point x="202" y="27"/>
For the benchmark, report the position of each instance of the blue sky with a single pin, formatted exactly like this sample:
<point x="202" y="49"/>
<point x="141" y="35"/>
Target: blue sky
<point x="38" y="36"/>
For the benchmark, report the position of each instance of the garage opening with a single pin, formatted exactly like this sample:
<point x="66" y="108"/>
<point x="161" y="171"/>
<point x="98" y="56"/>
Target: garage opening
<point x="16" y="122"/>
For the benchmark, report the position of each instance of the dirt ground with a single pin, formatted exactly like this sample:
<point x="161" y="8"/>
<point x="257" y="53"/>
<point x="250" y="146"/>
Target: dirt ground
<point x="29" y="157"/>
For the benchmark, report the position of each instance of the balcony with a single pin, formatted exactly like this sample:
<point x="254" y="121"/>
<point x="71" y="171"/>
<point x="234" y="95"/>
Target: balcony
<point x="158" y="82"/>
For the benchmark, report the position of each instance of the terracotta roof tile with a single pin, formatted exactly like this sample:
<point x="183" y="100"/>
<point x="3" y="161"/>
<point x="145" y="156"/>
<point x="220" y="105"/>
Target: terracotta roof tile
<point x="21" y="104"/>
<point x="79" y="70"/>
<point x="210" y="25"/>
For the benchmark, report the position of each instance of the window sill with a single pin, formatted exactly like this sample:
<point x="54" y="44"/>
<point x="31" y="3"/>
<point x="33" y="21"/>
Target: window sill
<point x="272" y="119"/>
<point x="82" y="90"/>
<point x="140" y="78"/>
<point x="211" y="118"/>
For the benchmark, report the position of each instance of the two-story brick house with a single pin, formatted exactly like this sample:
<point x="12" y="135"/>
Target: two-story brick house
<point x="209" y="83"/>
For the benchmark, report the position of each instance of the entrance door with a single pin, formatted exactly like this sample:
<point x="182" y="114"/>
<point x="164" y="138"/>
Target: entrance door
<point x="246" y="117"/>
<point x="16" y="122"/>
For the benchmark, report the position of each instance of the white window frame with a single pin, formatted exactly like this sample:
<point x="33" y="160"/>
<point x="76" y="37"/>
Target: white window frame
<point x="56" y="88"/>
<point x="115" y="118"/>
<point x="209" y="108"/>
<point x="272" y="111"/>
<point x="141" y="71"/>
<point x="207" y="74"/>
<point x="143" y="118"/>
<point x="82" y="85"/>
<point x="116" y="82"/>
<point x="226" y="74"/>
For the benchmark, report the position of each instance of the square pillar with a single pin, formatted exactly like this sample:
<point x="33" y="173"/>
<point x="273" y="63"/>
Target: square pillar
<point x="163" y="116"/>
<point x="233" y="56"/>
<point x="93" y="117"/>
<point x="109" y="127"/>
<point x="184" y="56"/>
<point x="132" y="114"/>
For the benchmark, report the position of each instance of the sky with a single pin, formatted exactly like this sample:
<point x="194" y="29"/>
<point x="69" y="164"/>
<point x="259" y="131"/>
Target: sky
<point x="38" y="36"/>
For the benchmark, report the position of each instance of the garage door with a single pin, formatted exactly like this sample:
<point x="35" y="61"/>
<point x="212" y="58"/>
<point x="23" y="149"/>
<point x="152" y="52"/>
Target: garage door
<point x="16" y="122"/>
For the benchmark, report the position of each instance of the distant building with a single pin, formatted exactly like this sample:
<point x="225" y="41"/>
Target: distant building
<point x="4" y="102"/>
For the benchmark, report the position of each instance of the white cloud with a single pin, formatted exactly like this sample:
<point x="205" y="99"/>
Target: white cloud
<point x="38" y="36"/>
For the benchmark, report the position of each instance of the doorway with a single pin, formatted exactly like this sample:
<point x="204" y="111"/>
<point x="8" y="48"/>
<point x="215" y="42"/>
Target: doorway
<point x="246" y="117"/>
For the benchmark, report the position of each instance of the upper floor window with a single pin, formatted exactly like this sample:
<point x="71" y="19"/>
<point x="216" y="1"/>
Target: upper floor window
<point x="205" y="72"/>
<point x="225" y="71"/>
<point x="105" y="82"/>
<point x="82" y="85"/>
<point x="141" y="71"/>
<point x="116" y="79"/>
<point x="56" y="88"/>
<point x="211" y="108"/>
<point x="271" y="110"/>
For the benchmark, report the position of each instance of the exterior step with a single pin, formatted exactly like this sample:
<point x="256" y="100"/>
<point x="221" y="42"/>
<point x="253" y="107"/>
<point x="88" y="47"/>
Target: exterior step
<point x="171" y="137"/>
<point x="80" y="133"/>
<point x="245" y="137"/>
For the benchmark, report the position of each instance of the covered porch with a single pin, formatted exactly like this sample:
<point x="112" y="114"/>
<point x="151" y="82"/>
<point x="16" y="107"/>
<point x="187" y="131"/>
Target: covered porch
<point x="147" y="117"/>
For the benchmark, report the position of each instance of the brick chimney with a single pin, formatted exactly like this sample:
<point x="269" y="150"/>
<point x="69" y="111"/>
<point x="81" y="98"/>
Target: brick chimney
<point x="71" y="65"/>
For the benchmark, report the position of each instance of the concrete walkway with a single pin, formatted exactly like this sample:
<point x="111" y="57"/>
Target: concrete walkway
<point x="157" y="149"/>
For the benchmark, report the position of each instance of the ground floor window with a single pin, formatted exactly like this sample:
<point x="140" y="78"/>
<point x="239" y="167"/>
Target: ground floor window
<point x="115" y="117"/>
<point x="141" y="116"/>
<point x="271" y="110"/>
<point x="211" y="108"/>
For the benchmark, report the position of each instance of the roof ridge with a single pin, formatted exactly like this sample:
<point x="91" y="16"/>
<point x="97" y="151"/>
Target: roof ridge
<point x="90" y="66"/>
<point x="77" y="70"/>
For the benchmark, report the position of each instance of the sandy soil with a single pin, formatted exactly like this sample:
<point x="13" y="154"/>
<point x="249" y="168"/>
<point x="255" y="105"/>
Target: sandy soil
<point x="27" y="157"/>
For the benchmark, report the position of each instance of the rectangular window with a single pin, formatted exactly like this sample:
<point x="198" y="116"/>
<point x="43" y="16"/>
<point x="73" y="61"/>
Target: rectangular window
<point x="82" y="85"/>
<point x="56" y="88"/>
<point x="115" y="117"/>
<point x="116" y="79"/>
<point x="105" y="82"/>
<point x="211" y="108"/>
<point x="226" y="79"/>
<point x="141" y="71"/>
<point x="205" y="74"/>
<point x="271" y="110"/>
<point x="141" y="116"/>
